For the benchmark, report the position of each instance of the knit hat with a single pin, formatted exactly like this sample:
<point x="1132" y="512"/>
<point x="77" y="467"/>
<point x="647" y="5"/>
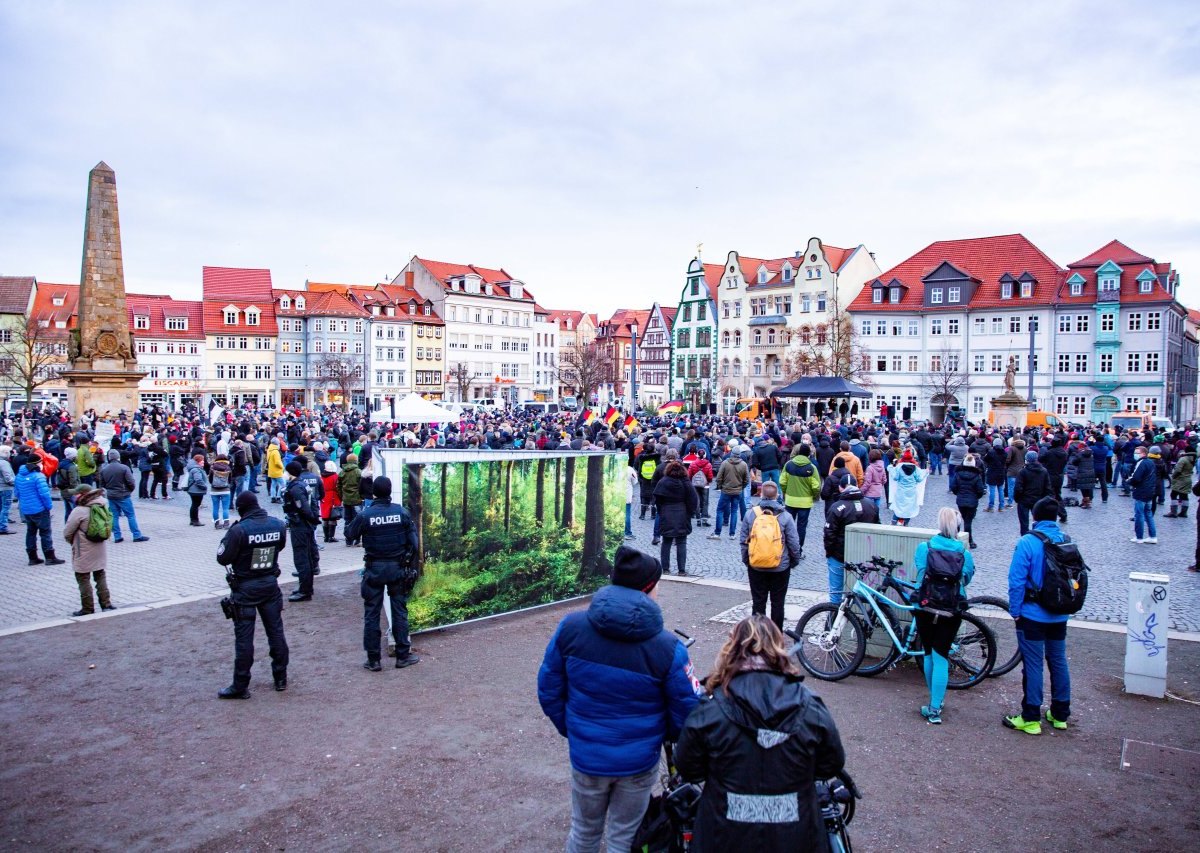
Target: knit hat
<point x="382" y="487"/>
<point x="246" y="503"/>
<point x="114" y="456"/>
<point x="295" y="468"/>
<point x="907" y="456"/>
<point x="847" y="481"/>
<point x="1046" y="509"/>
<point x="968" y="461"/>
<point x="330" y="467"/>
<point x="633" y="569"/>
<point x="70" y="453"/>
<point x="1030" y="456"/>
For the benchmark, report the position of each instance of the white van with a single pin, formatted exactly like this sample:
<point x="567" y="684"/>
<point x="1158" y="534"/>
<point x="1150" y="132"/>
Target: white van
<point x="488" y="404"/>
<point x="541" y="408"/>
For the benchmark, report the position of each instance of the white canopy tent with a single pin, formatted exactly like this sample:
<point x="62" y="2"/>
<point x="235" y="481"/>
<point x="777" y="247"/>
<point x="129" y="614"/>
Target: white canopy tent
<point x="414" y="409"/>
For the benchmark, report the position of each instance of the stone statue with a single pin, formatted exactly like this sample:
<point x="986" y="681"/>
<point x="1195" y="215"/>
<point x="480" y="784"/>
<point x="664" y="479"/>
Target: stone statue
<point x="1010" y="376"/>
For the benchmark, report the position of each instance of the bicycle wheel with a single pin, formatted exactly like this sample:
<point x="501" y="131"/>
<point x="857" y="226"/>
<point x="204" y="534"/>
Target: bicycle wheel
<point x="829" y="657"/>
<point x="973" y="654"/>
<point x="880" y="652"/>
<point x="994" y="612"/>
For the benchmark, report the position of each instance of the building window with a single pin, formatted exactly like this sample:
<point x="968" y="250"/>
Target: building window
<point x="952" y="294"/>
<point x="1133" y="362"/>
<point x="1152" y="362"/>
<point x="914" y="328"/>
<point x="318" y="325"/>
<point x="997" y="325"/>
<point x="1081" y="363"/>
<point x="1153" y="321"/>
<point x="1033" y="323"/>
<point x="997" y="363"/>
<point x="231" y="317"/>
<point x="177" y="324"/>
<point x="979" y="359"/>
<point x="893" y="294"/>
<point x="881" y="364"/>
<point x="141" y="321"/>
<point x="820" y="296"/>
<point x="897" y="328"/>
<point x="1133" y="404"/>
<point x="1064" y="363"/>
<point x="977" y="405"/>
<point x="1083" y="323"/>
<point x="141" y="345"/>
<point x="897" y="363"/>
<point x="1076" y="290"/>
<point x="1014" y="325"/>
<point x="913" y="364"/>
<point x="952" y="326"/>
<point x="980" y="325"/>
<point x="866" y="328"/>
<point x="1006" y="290"/>
<point x="877" y="295"/>
<point x="1062" y="405"/>
<point x="1135" y="322"/>
<point x="1106" y="362"/>
<point x="935" y="326"/>
<point x="251" y="316"/>
<point x="935" y="296"/>
<point x="285" y="302"/>
<point x="1064" y="323"/>
<point x="1026" y="289"/>
<point x="1145" y="286"/>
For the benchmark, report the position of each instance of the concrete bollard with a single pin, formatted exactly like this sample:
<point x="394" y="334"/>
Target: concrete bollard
<point x="1146" y="628"/>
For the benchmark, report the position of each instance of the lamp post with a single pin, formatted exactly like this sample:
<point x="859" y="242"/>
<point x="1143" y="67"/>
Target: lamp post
<point x="633" y="330"/>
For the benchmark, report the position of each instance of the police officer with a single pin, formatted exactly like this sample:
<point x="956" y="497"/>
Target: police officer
<point x="389" y="540"/>
<point x="302" y="506"/>
<point x="250" y="550"/>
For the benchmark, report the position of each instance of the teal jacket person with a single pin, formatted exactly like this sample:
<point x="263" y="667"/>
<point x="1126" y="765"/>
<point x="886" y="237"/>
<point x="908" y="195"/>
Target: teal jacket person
<point x="944" y="543"/>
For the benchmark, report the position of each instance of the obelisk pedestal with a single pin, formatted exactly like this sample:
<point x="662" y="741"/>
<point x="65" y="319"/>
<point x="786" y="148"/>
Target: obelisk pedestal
<point x="104" y="373"/>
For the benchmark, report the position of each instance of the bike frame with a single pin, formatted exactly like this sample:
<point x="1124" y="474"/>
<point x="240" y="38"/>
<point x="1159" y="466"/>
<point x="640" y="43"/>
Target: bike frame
<point x="867" y="595"/>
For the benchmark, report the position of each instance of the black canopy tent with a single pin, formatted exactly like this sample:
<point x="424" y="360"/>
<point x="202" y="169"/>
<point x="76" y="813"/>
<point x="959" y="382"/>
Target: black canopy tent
<point x="822" y="389"/>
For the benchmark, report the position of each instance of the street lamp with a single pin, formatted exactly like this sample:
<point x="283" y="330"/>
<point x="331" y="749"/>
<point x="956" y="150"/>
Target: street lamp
<point x="633" y="329"/>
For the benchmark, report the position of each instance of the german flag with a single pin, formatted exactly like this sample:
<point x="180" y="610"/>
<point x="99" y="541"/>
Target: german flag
<point x="671" y="407"/>
<point x="630" y="422"/>
<point x="587" y="416"/>
<point x="610" y="417"/>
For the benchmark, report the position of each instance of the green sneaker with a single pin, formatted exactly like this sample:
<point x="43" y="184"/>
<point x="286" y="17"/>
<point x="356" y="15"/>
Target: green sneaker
<point x="1016" y="721"/>
<point x="1061" y="725"/>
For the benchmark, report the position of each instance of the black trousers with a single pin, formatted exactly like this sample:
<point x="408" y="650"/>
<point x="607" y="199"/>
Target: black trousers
<point x="143" y="484"/>
<point x="664" y="553"/>
<point x="968" y="514"/>
<point x="350" y="512"/>
<point x="1056" y="484"/>
<point x="194" y="509"/>
<point x="304" y="553"/>
<point x="937" y="633"/>
<point x="769" y="584"/>
<point x="264" y="598"/>
<point x="375" y="580"/>
<point x="160" y="479"/>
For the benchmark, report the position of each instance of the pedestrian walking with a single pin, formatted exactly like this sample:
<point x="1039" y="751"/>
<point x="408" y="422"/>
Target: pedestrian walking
<point x="944" y="569"/>
<point x="302" y="506"/>
<point x="968" y="489"/>
<point x="849" y="508"/>
<point x="275" y="472"/>
<point x="733" y="477"/>
<point x="875" y="478"/>
<point x="1041" y="635"/>
<point x="196" y="486"/>
<point x="350" y="488"/>
<point x="33" y="495"/>
<point x="1145" y="486"/>
<point x="390" y="562"/>
<point x="615" y="718"/>
<point x="1054" y="460"/>
<point x="1014" y="461"/>
<point x="1085" y="475"/>
<point x="759" y="746"/>
<point x="800" y="482"/>
<point x="220" y="489"/>
<point x="116" y="478"/>
<point x="995" y="474"/>
<point x="905" y="489"/>
<point x="956" y="451"/>
<point x="676" y="502"/>
<point x="646" y="464"/>
<point x="67" y="480"/>
<point x="1033" y="484"/>
<point x="1181" y="480"/>
<point x="89" y="547"/>
<point x="250" y="552"/>
<point x="770" y="548"/>
<point x="700" y="474"/>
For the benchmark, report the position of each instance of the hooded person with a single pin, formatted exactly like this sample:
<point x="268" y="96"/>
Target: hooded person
<point x="850" y="507"/>
<point x="33" y="494"/>
<point x="906" y="490"/>
<point x="968" y="489"/>
<point x="616" y="684"/>
<point x="1033" y="484"/>
<point x="89" y="558"/>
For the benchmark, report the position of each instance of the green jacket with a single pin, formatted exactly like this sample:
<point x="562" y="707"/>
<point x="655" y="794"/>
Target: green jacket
<point x="1181" y="474"/>
<point x="800" y="489"/>
<point x="85" y="461"/>
<point x="349" y="481"/>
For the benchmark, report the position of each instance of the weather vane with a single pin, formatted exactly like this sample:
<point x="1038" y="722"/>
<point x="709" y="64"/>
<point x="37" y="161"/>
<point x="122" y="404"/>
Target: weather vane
<point x="699" y="246"/>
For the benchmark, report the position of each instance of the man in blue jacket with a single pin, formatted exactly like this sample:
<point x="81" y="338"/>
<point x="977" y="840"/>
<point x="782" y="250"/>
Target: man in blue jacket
<point x="1144" y="483"/>
<point x="1041" y="636"/>
<point x="33" y="493"/>
<point x="616" y="684"/>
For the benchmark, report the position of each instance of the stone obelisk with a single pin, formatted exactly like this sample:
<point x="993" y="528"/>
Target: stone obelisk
<point x="104" y="372"/>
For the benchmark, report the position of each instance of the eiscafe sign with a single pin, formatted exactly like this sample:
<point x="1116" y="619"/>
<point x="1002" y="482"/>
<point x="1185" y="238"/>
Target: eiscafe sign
<point x="170" y="383"/>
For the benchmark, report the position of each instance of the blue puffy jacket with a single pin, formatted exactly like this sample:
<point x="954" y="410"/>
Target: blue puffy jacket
<point x="33" y="492"/>
<point x="1025" y="573"/>
<point x="615" y="684"/>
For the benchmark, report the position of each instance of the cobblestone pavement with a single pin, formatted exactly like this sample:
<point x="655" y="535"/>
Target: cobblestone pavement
<point x="178" y="563"/>
<point x="1102" y="532"/>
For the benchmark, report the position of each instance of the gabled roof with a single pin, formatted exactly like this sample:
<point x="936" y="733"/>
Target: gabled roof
<point x="984" y="258"/>
<point x="45" y="309"/>
<point x="328" y="303"/>
<point x="158" y="308"/>
<point x="560" y="318"/>
<point x="622" y="317"/>
<point x="712" y="277"/>
<point x="233" y="284"/>
<point x="1129" y="290"/>
<point x="668" y="315"/>
<point x="15" y="291"/>
<point x="1114" y="251"/>
<point x="500" y="278"/>
<point x="402" y="296"/>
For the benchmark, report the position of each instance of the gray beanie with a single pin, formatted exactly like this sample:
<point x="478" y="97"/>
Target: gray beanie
<point x="113" y="456"/>
<point x="1030" y="456"/>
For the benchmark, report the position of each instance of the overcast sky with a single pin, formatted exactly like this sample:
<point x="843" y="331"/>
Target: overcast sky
<point x="587" y="147"/>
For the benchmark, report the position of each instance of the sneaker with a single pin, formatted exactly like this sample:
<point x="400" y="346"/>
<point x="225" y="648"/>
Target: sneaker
<point x="630" y="536"/>
<point x="655" y="541"/>
<point x="141" y="539"/>
<point x="1137" y="541"/>
<point x="1061" y="725"/>
<point x="1150" y="540"/>
<point x="407" y="660"/>
<point x="1016" y="721"/>
<point x="932" y="715"/>
<point x="373" y="666"/>
<point x="714" y="536"/>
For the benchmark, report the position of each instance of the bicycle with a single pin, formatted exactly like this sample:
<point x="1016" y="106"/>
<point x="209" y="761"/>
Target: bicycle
<point x="994" y="611"/>
<point x="831" y="639"/>
<point x="836" y="797"/>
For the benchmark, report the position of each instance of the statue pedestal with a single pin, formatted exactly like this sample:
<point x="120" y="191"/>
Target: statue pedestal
<point x="105" y="387"/>
<point x="1010" y="410"/>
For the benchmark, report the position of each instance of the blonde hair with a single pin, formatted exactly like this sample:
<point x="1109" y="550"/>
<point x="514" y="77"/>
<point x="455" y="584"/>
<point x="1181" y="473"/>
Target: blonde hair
<point x="755" y="643"/>
<point x="950" y="522"/>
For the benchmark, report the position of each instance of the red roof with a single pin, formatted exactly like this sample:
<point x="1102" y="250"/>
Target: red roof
<point x="45" y="309"/>
<point x="1194" y="316"/>
<point x="984" y="259"/>
<point x="561" y="317"/>
<point x="158" y="308"/>
<point x="15" y="291"/>
<point x="443" y="272"/>
<point x="668" y="315"/>
<point x="230" y="284"/>
<point x="402" y="295"/>
<point x="1132" y="265"/>
<point x="328" y="303"/>
<point x="621" y="319"/>
<point x="1114" y="251"/>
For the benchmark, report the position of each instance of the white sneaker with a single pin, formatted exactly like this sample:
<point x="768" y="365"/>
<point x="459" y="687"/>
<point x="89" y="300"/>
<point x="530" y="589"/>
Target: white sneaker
<point x="1150" y="540"/>
<point x="1137" y="541"/>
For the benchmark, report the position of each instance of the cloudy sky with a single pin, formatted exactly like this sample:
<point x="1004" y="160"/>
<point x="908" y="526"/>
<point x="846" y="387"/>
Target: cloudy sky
<point x="588" y="147"/>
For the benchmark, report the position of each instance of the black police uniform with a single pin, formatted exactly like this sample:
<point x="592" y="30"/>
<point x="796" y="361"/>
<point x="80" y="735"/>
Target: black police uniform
<point x="389" y="540"/>
<point x="302" y="506"/>
<point x="251" y="549"/>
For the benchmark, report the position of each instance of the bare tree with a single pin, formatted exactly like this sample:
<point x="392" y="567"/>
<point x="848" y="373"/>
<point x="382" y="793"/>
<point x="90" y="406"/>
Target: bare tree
<point x="462" y="377"/>
<point x="945" y="381"/>
<point x="341" y="372"/>
<point x="584" y="367"/>
<point x="31" y="355"/>
<point x="831" y="349"/>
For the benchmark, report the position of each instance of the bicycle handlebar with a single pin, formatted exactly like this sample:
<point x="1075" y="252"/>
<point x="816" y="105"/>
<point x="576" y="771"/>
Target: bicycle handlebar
<point x="688" y="640"/>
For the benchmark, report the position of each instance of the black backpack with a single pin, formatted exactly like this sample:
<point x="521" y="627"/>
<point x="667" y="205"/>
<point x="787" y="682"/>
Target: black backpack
<point x="1064" y="577"/>
<point x="940" y="590"/>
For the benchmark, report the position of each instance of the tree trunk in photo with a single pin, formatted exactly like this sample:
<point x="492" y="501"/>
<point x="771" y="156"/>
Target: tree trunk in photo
<point x="568" y="510"/>
<point x="507" y="496"/>
<point x="593" y="519"/>
<point x="557" y="490"/>
<point x="415" y="501"/>
<point x="444" y="475"/>
<point x="466" y="496"/>
<point x="539" y="507"/>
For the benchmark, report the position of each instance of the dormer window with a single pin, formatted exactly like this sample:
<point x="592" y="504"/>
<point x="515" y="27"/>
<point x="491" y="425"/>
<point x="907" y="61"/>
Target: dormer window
<point x="762" y="275"/>
<point x="231" y="315"/>
<point x="375" y="310"/>
<point x="60" y="324"/>
<point x="935" y="296"/>
<point x="1077" y="288"/>
<point x="953" y="294"/>
<point x="299" y="303"/>
<point x="412" y="307"/>
<point x="141" y="321"/>
<point x="877" y="295"/>
<point x="1006" y="290"/>
<point x="787" y="272"/>
<point x="516" y="291"/>
<point x="1026" y="289"/>
<point x="426" y="309"/>
<point x="177" y="324"/>
<point x="252" y="315"/>
<point x="59" y="301"/>
<point x="893" y="295"/>
<point x="285" y="302"/>
<point x="1145" y="286"/>
<point x="391" y="311"/>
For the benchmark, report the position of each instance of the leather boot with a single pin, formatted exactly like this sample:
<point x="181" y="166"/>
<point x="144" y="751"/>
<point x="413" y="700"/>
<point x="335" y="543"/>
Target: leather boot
<point x="1174" y="513"/>
<point x="33" y="557"/>
<point x="1182" y="511"/>
<point x="52" y="560"/>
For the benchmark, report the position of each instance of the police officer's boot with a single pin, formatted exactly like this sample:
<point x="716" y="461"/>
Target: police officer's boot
<point x="33" y="557"/>
<point x="232" y="692"/>
<point x="52" y="560"/>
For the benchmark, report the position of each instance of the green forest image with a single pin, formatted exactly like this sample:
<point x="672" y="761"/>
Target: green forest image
<point x="500" y="535"/>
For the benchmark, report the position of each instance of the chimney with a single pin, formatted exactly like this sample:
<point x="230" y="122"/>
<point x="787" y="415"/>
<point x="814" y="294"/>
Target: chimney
<point x="797" y="255"/>
<point x="408" y="279"/>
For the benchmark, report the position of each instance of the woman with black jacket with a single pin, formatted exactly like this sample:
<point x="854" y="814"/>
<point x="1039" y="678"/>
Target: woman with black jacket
<point x="759" y="745"/>
<point x="968" y="489"/>
<point x="676" y="502"/>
